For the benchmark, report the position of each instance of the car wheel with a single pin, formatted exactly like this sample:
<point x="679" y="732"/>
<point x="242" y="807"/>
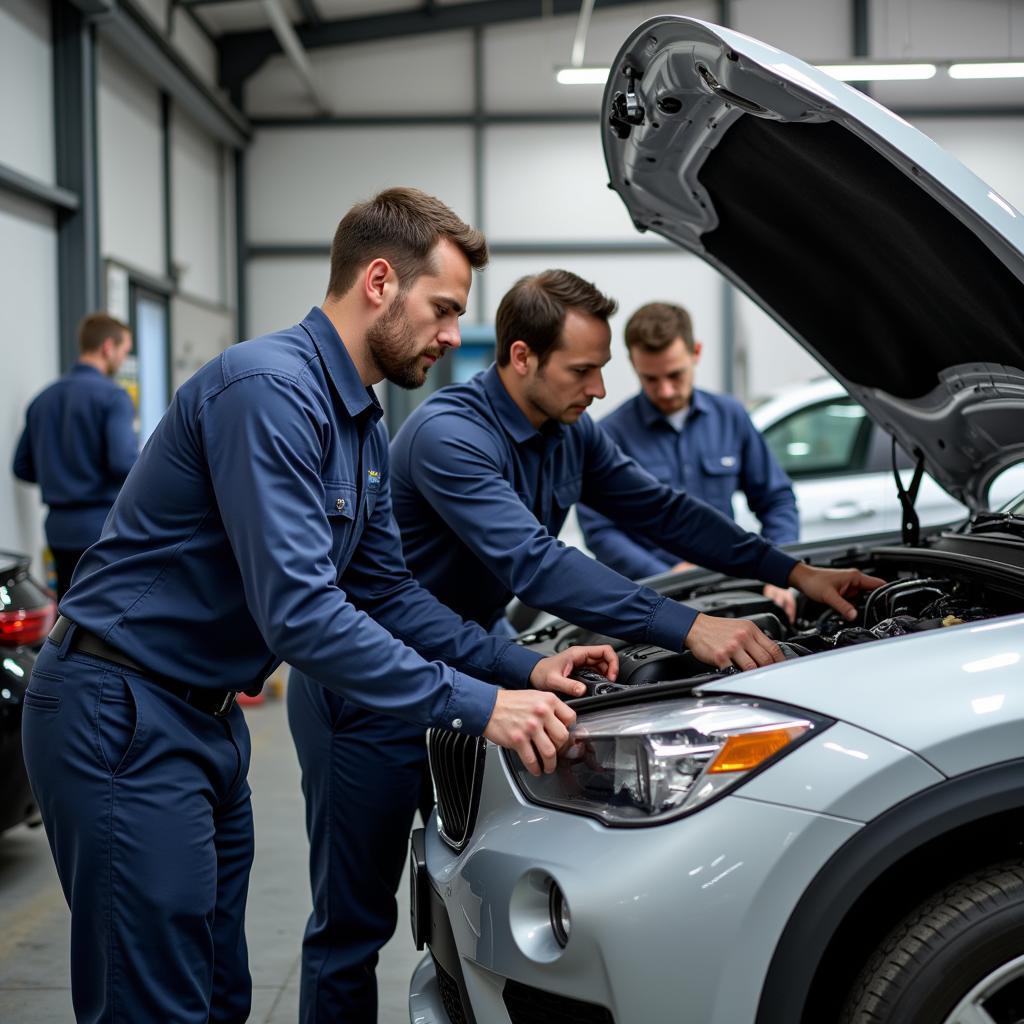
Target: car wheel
<point x="957" y="959"/>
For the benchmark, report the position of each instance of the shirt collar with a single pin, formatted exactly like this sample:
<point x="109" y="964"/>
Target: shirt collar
<point x="355" y="395"/>
<point x="651" y="415"/>
<point x="86" y="368"/>
<point x="510" y="416"/>
<point x="699" y="403"/>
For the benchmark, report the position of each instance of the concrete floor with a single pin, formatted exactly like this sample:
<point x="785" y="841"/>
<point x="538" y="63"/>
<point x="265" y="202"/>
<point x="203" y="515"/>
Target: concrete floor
<point x="34" y="919"/>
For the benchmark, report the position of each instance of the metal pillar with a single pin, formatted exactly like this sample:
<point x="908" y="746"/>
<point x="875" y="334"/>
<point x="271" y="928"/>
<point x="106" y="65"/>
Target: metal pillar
<point x="78" y="243"/>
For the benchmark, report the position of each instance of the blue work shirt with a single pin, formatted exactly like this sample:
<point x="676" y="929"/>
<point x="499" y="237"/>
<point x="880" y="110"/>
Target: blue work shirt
<point x="718" y="452"/>
<point x="78" y="444"/>
<point x="256" y="528"/>
<point x="480" y="496"/>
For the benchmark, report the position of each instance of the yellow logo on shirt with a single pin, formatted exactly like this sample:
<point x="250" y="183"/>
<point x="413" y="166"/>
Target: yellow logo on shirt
<point x="373" y="479"/>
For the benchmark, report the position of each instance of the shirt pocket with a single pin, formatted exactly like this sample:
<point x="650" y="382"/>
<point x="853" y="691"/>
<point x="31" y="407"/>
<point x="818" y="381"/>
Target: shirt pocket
<point x="721" y="472"/>
<point x="340" y="507"/>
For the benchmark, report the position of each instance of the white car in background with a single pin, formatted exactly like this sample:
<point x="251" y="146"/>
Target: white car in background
<point x="840" y="462"/>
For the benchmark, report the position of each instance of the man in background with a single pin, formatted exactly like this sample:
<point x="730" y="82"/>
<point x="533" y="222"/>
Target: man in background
<point x="692" y="440"/>
<point x="79" y="443"/>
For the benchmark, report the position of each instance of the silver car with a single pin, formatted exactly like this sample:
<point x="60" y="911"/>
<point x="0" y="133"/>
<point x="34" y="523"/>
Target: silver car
<point x="838" y="837"/>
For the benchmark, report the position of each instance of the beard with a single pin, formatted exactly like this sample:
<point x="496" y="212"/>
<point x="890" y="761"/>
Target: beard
<point x="392" y="344"/>
<point x="539" y="396"/>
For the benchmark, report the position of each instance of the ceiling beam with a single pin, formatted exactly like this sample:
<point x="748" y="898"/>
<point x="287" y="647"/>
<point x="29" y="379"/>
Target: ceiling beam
<point x="243" y="53"/>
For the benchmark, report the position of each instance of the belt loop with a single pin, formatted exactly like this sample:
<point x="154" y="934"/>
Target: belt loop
<point x="65" y="642"/>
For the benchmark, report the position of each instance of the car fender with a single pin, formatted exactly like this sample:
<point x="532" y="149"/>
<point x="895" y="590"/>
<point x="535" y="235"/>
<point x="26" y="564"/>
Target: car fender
<point x="861" y="861"/>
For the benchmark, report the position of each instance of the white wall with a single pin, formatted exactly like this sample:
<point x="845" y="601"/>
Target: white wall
<point x="28" y="255"/>
<point x="791" y="25"/>
<point x="26" y="89"/>
<point x="373" y="78"/>
<point x="301" y="181"/>
<point x="198" y="333"/>
<point x="549" y="183"/>
<point x="281" y="291"/>
<point x="28" y="297"/>
<point x="197" y="211"/>
<point x="194" y="46"/>
<point x="131" y="173"/>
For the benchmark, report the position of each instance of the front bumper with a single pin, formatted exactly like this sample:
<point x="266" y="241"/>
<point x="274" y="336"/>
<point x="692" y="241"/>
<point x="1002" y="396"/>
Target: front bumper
<point x="676" y="922"/>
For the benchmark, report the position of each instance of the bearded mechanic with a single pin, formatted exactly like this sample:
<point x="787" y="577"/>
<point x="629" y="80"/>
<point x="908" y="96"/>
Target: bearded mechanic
<point x="255" y="528"/>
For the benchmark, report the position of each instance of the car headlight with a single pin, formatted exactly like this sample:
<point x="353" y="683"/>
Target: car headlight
<point x="648" y="763"/>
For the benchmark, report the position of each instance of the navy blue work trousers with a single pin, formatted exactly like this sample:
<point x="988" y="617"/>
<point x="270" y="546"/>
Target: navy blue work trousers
<point x="363" y="776"/>
<point x="147" y="811"/>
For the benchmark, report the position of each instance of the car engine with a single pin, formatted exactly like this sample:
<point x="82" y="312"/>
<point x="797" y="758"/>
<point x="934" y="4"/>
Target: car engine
<point x="949" y="582"/>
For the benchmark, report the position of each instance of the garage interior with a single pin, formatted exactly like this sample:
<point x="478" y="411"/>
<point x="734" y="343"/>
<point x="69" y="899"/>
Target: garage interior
<point x="183" y="163"/>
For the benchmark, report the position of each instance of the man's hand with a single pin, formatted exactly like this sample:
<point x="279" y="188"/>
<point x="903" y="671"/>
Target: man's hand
<point x="683" y="566"/>
<point x="724" y="642"/>
<point x="534" y="725"/>
<point x="833" y="586"/>
<point x="553" y="673"/>
<point x="783" y="597"/>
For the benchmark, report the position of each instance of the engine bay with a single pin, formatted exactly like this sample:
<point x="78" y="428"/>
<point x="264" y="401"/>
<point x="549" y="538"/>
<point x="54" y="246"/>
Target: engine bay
<point x="933" y="587"/>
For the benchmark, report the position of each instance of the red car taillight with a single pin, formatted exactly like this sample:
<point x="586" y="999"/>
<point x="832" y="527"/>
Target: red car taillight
<point x="26" y="626"/>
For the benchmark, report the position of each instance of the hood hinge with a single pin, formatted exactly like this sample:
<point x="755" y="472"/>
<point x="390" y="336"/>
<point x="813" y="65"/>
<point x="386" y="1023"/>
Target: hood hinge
<point x="911" y="525"/>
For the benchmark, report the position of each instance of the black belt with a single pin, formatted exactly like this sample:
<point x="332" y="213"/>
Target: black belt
<point x="214" y="702"/>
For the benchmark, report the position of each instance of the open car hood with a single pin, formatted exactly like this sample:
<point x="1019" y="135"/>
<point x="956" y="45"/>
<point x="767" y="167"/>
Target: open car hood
<point x="896" y="267"/>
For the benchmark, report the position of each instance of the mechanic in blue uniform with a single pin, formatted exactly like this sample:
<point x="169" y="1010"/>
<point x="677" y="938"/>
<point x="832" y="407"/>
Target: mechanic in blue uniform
<point x="693" y="440"/>
<point x="254" y="528"/>
<point x="484" y="474"/>
<point x="79" y="443"/>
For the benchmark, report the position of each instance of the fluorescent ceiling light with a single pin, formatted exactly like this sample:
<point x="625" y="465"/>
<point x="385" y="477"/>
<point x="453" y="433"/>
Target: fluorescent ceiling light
<point x="582" y="76"/>
<point x="879" y="72"/>
<point x="987" y="69"/>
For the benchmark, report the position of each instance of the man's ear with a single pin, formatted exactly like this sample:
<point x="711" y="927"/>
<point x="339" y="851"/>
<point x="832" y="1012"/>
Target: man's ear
<point x="379" y="279"/>
<point x="697" y="346"/>
<point x="519" y="357"/>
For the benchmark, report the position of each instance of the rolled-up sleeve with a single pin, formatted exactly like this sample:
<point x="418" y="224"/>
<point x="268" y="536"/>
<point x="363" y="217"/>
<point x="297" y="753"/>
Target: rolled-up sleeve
<point x="263" y="439"/>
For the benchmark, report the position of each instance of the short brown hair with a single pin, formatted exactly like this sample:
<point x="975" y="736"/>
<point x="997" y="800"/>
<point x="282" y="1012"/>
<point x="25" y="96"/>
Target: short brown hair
<point x="402" y="226"/>
<point x="533" y="310"/>
<point x="96" y="328"/>
<point x="655" y="326"/>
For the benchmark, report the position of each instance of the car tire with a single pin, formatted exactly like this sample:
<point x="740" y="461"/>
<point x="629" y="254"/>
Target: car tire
<point x="962" y="948"/>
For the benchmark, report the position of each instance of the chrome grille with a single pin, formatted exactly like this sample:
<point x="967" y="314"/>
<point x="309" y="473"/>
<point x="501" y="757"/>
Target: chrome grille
<point x="456" y="765"/>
